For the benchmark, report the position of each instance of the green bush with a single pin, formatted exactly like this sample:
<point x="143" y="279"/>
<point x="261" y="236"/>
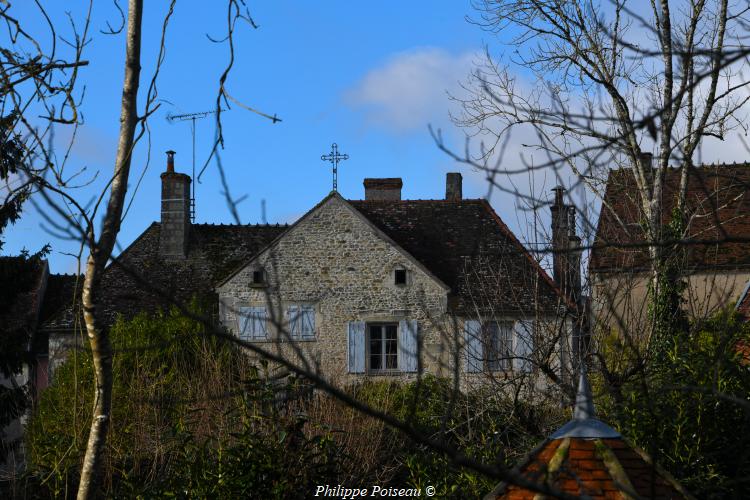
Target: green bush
<point x="484" y="426"/>
<point x="690" y="410"/>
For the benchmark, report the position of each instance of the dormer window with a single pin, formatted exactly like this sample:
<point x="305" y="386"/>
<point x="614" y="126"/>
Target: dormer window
<point x="259" y="277"/>
<point x="399" y="277"/>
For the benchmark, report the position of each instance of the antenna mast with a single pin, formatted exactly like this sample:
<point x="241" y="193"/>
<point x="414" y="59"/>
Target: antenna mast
<point x="192" y="117"/>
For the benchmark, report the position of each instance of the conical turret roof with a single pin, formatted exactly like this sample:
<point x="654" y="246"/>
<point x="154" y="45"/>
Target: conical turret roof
<point x="588" y="458"/>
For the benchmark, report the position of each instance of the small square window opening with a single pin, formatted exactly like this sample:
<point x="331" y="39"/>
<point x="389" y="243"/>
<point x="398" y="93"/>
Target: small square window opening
<point x="258" y="277"/>
<point x="400" y="277"/>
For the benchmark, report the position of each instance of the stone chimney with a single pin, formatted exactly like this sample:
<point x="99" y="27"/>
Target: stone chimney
<point x="453" y="186"/>
<point x="388" y="189"/>
<point x="175" y="212"/>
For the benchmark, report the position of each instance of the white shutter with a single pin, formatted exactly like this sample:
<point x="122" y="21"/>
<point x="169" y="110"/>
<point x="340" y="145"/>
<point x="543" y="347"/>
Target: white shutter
<point x="473" y="341"/>
<point x="356" y="346"/>
<point x="523" y="345"/>
<point x="408" y="345"/>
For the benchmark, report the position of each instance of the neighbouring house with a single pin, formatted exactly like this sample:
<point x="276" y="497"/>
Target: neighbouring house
<point x="716" y="261"/>
<point x="28" y="296"/>
<point x="587" y="458"/>
<point x="357" y="288"/>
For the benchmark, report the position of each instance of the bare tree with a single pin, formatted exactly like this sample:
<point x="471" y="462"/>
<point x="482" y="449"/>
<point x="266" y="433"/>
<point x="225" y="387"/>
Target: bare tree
<point x="608" y="84"/>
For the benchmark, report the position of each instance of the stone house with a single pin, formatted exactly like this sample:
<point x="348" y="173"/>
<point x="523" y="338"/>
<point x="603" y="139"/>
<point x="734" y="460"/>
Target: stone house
<point x="716" y="260"/>
<point x="385" y="286"/>
<point x="354" y="288"/>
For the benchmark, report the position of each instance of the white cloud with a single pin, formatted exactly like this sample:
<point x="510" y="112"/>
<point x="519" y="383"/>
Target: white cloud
<point x="411" y="89"/>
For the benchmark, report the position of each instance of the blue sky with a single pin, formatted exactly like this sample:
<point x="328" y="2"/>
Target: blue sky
<point x="367" y="76"/>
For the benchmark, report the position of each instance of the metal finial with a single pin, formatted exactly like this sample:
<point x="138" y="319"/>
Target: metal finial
<point x="584" y="400"/>
<point x="334" y="157"/>
<point x="584" y="423"/>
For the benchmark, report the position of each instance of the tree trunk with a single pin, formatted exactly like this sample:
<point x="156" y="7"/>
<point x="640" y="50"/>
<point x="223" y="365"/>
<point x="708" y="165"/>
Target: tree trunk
<point x="100" y="252"/>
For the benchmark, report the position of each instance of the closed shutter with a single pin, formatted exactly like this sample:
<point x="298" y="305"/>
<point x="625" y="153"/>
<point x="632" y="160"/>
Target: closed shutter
<point x="408" y="345"/>
<point x="252" y="323"/>
<point x="293" y="319"/>
<point x="523" y="345"/>
<point x="307" y="322"/>
<point x="260" y="325"/>
<point x="245" y="325"/>
<point x="473" y="342"/>
<point x="356" y="346"/>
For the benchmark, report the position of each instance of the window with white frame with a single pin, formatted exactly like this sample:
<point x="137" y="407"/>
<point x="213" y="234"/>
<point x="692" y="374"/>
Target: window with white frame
<point x="383" y="347"/>
<point x="253" y="323"/>
<point x="301" y="322"/>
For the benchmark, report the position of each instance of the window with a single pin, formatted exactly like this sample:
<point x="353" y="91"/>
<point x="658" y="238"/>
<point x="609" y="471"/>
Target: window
<point x="301" y="321"/>
<point x="498" y="345"/>
<point x="498" y="341"/>
<point x="252" y="323"/>
<point x="399" y="276"/>
<point x="383" y="344"/>
<point x="259" y="277"/>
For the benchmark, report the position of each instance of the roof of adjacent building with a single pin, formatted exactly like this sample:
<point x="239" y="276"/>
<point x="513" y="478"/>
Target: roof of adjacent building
<point x="468" y="247"/>
<point x="589" y="459"/>
<point x="718" y="211"/>
<point x="142" y="280"/>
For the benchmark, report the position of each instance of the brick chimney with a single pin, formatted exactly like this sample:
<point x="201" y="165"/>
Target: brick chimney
<point x="388" y="189"/>
<point x="175" y="211"/>
<point x="559" y="239"/>
<point x="453" y="186"/>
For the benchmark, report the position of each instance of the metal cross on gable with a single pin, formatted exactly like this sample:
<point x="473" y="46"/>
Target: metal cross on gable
<point x="334" y="157"/>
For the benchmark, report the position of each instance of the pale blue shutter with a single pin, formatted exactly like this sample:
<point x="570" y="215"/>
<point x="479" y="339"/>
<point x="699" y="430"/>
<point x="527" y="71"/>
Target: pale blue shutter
<point x="293" y="316"/>
<point x="356" y="346"/>
<point x="408" y="345"/>
<point x="473" y="340"/>
<point x="523" y="345"/>
<point x="245" y="325"/>
<point x="259" y="318"/>
<point x="307" y="322"/>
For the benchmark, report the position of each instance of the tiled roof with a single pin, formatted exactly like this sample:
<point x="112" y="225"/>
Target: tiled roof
<point x="213" y="251"/>
<point x="718" y="210"/>
<point x="468" y="247"/>
<point x="593" y="468"/>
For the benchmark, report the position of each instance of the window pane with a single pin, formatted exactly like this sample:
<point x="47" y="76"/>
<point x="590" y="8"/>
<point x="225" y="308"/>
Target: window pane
<point x="376" y="348"/>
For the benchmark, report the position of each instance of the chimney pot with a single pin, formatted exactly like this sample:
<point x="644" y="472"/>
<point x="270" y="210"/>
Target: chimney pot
<point x="387" y="189"/>
<point x="453" y="186"/>
<point x="170" y="160"/>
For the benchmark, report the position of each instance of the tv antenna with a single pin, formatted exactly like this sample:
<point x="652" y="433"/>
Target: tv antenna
<point x="192" y="117"/>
